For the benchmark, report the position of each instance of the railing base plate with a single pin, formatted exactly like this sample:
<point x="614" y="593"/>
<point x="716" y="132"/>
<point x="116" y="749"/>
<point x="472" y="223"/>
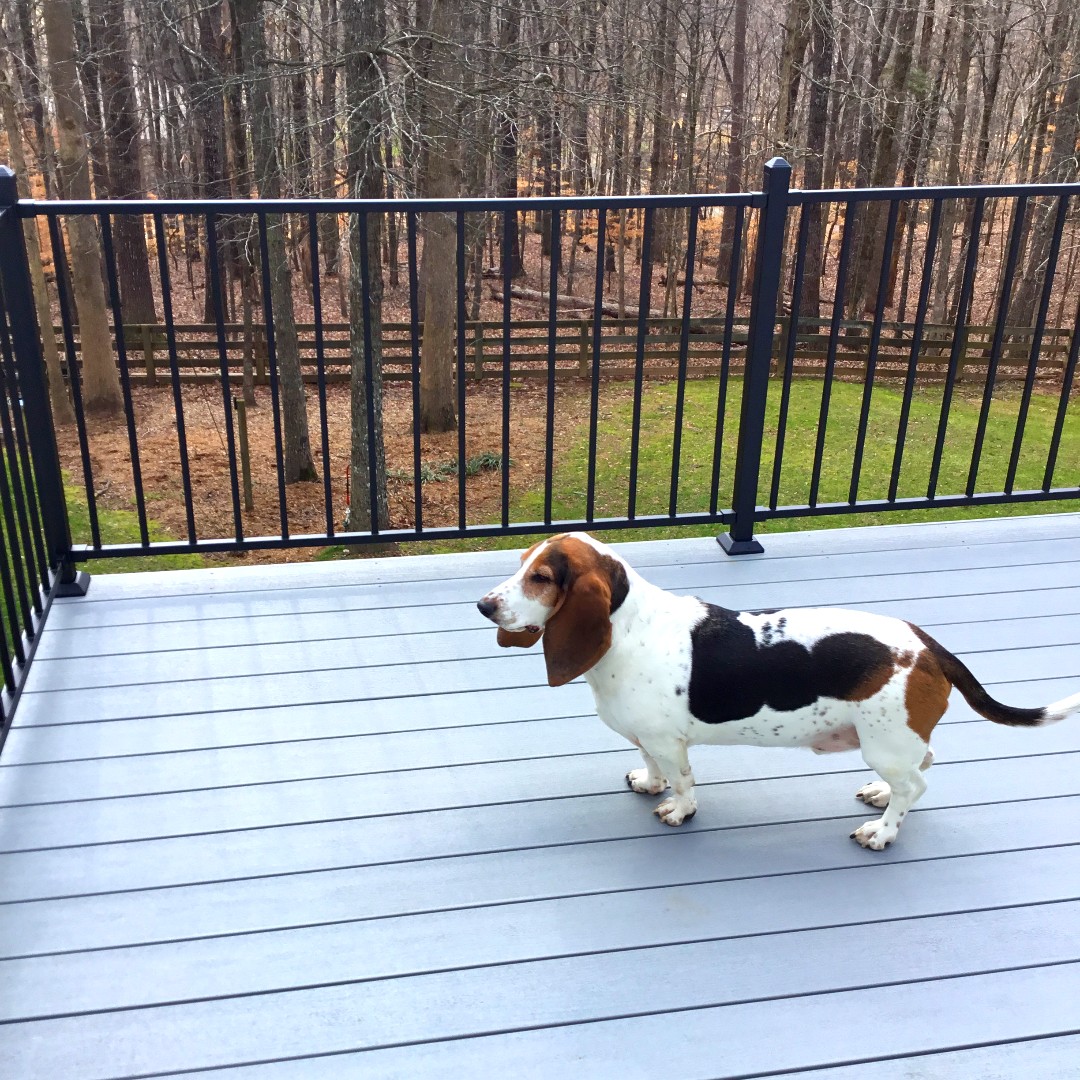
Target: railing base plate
<point x="77" y="587"/>
<point x="732" y="546"/>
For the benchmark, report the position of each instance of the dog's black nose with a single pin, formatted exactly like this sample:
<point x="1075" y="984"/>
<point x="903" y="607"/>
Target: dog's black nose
<point x="487" y="607"/>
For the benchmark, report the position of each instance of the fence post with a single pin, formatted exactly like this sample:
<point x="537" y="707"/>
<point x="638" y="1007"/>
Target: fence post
<point x="759" y="347"/>
<point x="33" y="391"/>
<point x="148" y="354"/>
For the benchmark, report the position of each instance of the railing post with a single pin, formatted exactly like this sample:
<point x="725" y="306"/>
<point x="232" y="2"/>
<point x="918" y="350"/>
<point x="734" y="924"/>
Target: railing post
<point x="18" y="293"/>
<point x="759" y="348"/>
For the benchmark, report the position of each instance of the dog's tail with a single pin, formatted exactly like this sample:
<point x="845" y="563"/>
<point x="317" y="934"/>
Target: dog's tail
<point x="976" y="696"/>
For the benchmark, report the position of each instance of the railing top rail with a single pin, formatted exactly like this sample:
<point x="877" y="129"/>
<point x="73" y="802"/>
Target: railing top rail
<point x="44" y="207"/>
<point x="963" y="191"/>
<point x="38" y="207"/>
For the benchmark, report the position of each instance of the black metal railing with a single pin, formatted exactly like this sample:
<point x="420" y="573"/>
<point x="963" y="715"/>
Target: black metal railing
<point x="35" y="564"/>
<point x="787" y="460"/>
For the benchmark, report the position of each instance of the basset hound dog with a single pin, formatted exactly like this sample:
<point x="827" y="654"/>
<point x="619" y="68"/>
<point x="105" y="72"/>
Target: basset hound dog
<point x="670" y="671"/>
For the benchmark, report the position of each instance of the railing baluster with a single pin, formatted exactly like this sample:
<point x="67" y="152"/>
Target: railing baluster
<point x="594" y="367"/>
<point x="684" y="350"/>
<point x="17" y="536"/>
<point x="320" y="365"/>
<point x="553" y="292"/>
<point x="1067" y="376"/>
<point x="33" y="393"/>
<point x="56" y="245"/>
<point x="272" y="365"/>
<point x="850" y="213"/>
<point x="1004" y="296"/>
<point x="725" y="357"/>
<point x="644" y="299"/>
<point x="916" y="345"/>
<point x="223" y="358"/>
<point x="21" y="474"/>
<point x="1036" y="340"/>
<point x="174" y="370"/>
<point x="789" y="352"/>
<point x="125" y="377"/>
<point x="414" y="343"/>
<point x="462" y="369"/>
<point x="509" y="222"/>
<point x="370" y="375"/>
<point x="872" y="348"/>
<point x="962" y="307"/>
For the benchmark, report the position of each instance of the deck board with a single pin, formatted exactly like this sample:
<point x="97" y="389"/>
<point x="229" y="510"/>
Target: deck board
<point x="310" y="821"/>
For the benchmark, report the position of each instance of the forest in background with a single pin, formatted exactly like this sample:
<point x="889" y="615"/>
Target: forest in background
<point x="442" y="98"/>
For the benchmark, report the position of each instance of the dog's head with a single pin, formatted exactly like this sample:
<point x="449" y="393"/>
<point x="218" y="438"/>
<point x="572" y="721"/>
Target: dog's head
<point x="566" y="591"/>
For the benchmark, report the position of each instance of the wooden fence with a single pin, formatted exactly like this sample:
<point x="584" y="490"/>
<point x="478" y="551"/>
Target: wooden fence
<point x="198" y="357"/>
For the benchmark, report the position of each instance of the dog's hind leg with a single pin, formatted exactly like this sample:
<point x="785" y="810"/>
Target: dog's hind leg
<point x="877" y="792"/>
<point x="897" y="756"/>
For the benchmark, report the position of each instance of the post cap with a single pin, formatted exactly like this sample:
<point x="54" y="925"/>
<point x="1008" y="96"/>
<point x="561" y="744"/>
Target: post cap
<point x="9" y="189"/>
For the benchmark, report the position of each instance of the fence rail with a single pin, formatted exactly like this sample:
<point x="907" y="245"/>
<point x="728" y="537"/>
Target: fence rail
<point x="712" y="340"/>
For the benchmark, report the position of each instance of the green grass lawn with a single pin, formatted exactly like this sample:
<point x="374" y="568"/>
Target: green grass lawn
<point x="121" y="527"/>
<point x="699" y="425"/>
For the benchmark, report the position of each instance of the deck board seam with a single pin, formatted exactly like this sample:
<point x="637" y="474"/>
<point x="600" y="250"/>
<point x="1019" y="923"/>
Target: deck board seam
<point x="585" y="954"/>
<point x="625" y="1015"/>
<point x="617" y="790"/>
<point x="885" y="575"/>
<point x="778" y="823"/>
<point x="1071" y="530"/>
<point x="895" y="861"/>
<point x="420" y="663"/>
<point x="475" y="630"/>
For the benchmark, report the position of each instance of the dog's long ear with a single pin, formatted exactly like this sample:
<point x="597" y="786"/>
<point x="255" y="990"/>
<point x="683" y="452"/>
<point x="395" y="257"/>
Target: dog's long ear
<point x="579" y="633"/>
<point x="523" y="639"/>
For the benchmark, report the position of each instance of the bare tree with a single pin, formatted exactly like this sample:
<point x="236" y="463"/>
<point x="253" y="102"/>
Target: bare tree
<point x="441" y="179"/>
<point x="120" y="115"/>
<point x="364" y="26"/>
<point x="58" y="393"/>
<point x="268" y="176"/>
<point x="101" y="384"/>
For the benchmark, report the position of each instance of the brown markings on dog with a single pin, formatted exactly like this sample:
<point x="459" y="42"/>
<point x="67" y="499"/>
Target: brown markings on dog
<point x="872" y="682"/>
<point x="926" y="696"/>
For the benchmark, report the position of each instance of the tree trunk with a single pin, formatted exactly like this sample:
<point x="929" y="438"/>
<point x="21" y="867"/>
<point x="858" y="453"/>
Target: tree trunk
<point x="87" y="52"/>
<point x="63" y="413"/>
<point x="125" y="168"/>
<point x="101" y="384"/>
<point x="506" y="153"/>
<point x="951" y="209"/>
<point x="268" y="177"/>
<point x="871" y="238"/>
<point x="364" y="26"/>
<point x="734" y="171"/>
<point x="822" y="45"/>
<point x="329" y="240"/>
<point x="31" y="89"/>
<point x="441" y="180"/>
<point x="1061" y="168"/>
<point x="797" y="34"/>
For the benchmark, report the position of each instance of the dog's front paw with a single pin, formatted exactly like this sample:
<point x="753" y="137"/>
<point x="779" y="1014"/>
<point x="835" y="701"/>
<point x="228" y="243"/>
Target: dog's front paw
<point x="638" y="780"/>
<point x="875" y="835"/>
<point x="876" y="793"/>
<point x="676" y="809"/>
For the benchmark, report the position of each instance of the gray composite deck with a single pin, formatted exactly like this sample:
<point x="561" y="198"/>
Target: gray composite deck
<point x="310" y="821"/>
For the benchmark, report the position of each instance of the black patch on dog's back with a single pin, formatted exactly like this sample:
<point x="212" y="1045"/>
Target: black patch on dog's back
<point x="732" y="677"/>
